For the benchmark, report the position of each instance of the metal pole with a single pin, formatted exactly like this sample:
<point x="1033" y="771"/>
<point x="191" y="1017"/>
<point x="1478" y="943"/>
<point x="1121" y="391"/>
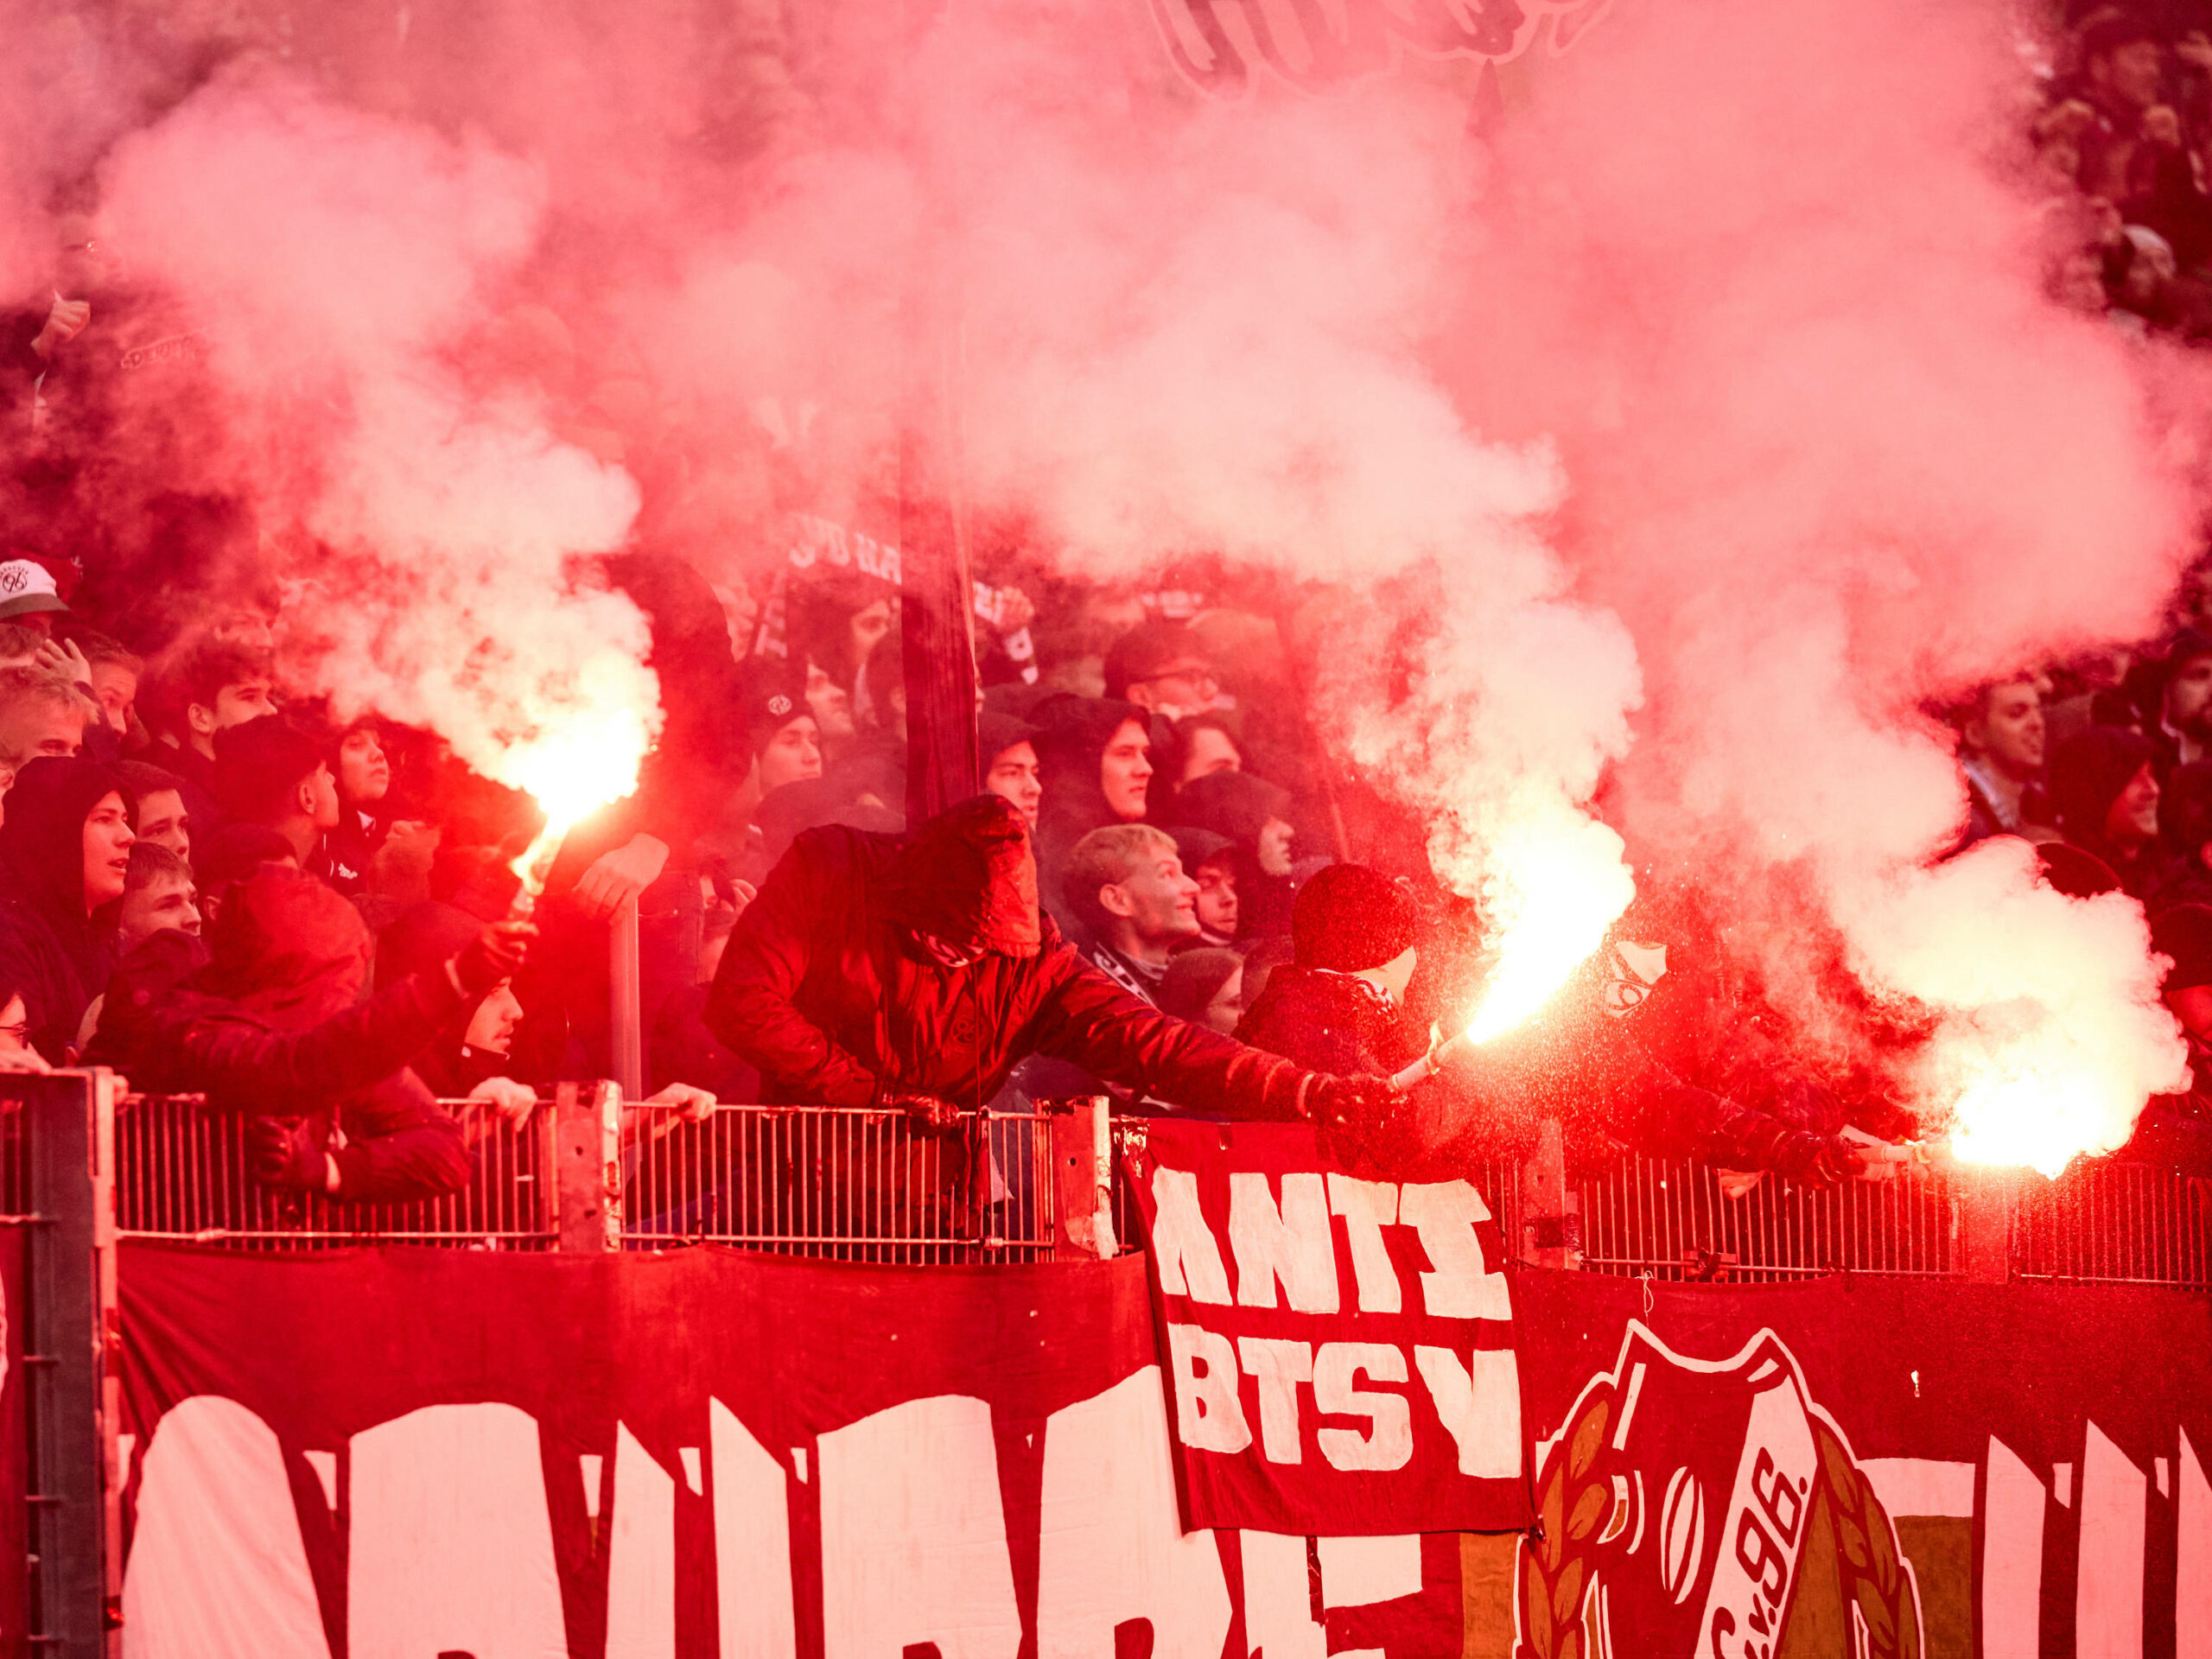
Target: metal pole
<point x="1552" y="1235"/>
<point x="1083" y="1174"/>
<point x="71" y="1330"/>
<point x="588" y="1165"/>
<point x="626" y="1037"/>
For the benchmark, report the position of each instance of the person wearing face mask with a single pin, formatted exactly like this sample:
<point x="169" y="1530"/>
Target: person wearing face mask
<point x="65" y="860"/>
<point x="1339" y="1004"/>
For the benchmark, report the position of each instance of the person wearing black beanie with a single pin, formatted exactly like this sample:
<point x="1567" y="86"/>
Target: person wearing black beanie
<point x="1338" y="1005"/>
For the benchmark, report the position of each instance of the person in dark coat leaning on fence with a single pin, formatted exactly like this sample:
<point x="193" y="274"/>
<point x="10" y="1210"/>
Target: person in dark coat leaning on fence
<point x="914" y="977"/>
<point x="272" y="1026"/>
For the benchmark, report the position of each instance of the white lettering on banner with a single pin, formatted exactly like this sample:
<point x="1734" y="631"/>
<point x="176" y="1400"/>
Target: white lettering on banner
<point x="216" y="1564"/>
<point x="2012" y="1557"/>
<point x="821" y="541"/>
<point x="1209" y="1416"/>
<point x="1389" y="1443"/>
<point x="1444" y="1214"/>
<point x="752" y="1542"/>
<point x="1368" y="1207"/>
<point x="1295" y="1244"/>
<point x="1361" y="1572"/>
<point x="1187" y="1259"/>
<point x="2192" y="1557"/>
<point x="452" y="1549"/>
<point x="914" y="1537"/>
<point x="1279" y="1365"/>
<point x="2108" y="1596"/>
<point x="1278" y="1601"/>
<point x="1479" y="1404"/>
<point x="1111" y="1546"/>
<point x="1765" y="1531"/>
<point x="641" y="1556"/>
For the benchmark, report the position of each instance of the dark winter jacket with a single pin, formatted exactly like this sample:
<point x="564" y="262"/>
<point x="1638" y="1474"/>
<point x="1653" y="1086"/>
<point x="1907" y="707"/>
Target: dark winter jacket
<point x="51" y="951"/>
<point x="825" y="987"/>
<point x="351" y="849"/>
<point x="271" y="1027"/>
<point x="1332" y="1022"/>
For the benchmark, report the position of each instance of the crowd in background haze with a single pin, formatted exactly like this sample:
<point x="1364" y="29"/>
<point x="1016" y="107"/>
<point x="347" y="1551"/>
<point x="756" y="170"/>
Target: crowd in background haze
<point x="307" y="914"/>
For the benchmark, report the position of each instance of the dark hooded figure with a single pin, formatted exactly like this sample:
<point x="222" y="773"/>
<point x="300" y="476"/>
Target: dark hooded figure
<point x="872" y="974"/>
<point x="1094" y="759"/>
<point x="2105" y="788"/>
<point x="272" y="1025"/>
<point x="422" y="940"/>
<point x="1254" y="816"/>
<point x="1339" y="1005"/>
<point x="65" y="851"/>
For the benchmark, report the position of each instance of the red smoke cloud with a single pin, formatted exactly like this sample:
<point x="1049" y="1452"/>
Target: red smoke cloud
<point x="1711" y="407"/>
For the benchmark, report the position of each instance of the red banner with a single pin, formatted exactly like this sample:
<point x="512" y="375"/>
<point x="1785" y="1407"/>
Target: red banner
<point x="1872" y="1466"/>
<point x="405" y="1453"/>
<point x="400" y="1454"/>
<point x="1339" y="1350"/>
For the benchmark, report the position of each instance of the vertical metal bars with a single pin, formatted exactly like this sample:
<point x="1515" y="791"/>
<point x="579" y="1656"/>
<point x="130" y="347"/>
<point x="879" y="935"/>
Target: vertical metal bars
<point x="183" y="1174"/>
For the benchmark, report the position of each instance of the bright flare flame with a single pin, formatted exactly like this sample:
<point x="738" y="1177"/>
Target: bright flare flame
<point x="1553" y="889"/>
<point x="591" y="758"/>
<point x="2048" y="1033"/>
<point x="2042" y="1104"/>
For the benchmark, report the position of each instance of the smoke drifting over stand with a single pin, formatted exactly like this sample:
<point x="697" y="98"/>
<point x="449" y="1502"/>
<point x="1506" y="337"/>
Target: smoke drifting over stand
<point x="1672" y="441"/>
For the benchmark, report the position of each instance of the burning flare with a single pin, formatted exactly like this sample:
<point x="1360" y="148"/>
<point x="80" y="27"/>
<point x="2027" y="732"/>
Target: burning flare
<point x="592" y="759"/>
<point x="1553" y="889"/>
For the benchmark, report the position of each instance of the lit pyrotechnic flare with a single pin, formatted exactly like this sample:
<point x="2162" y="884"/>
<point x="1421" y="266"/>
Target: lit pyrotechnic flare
<point x="2046" y="1034"/>
<point x="592" y="759"/>
<point x="1553" y="890"/>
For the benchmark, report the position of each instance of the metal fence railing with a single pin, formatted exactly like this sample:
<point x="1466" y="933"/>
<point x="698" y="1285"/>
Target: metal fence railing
<point x="2114" y="1224"/>
<point x="846" y="1183"/>
<point x="1670" y="1218"/>
<point x="182" y="1173"/>
<point x="863" y="1185"/>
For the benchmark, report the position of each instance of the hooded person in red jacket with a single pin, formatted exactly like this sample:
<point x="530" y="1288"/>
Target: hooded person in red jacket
<point x="913" y="977"/>
<point x="274" y="1026"/>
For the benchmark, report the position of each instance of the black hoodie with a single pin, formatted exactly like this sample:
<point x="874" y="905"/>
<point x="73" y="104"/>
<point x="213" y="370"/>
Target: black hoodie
<point x="57" y="956"/>
<point x="1070" y="743"/>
